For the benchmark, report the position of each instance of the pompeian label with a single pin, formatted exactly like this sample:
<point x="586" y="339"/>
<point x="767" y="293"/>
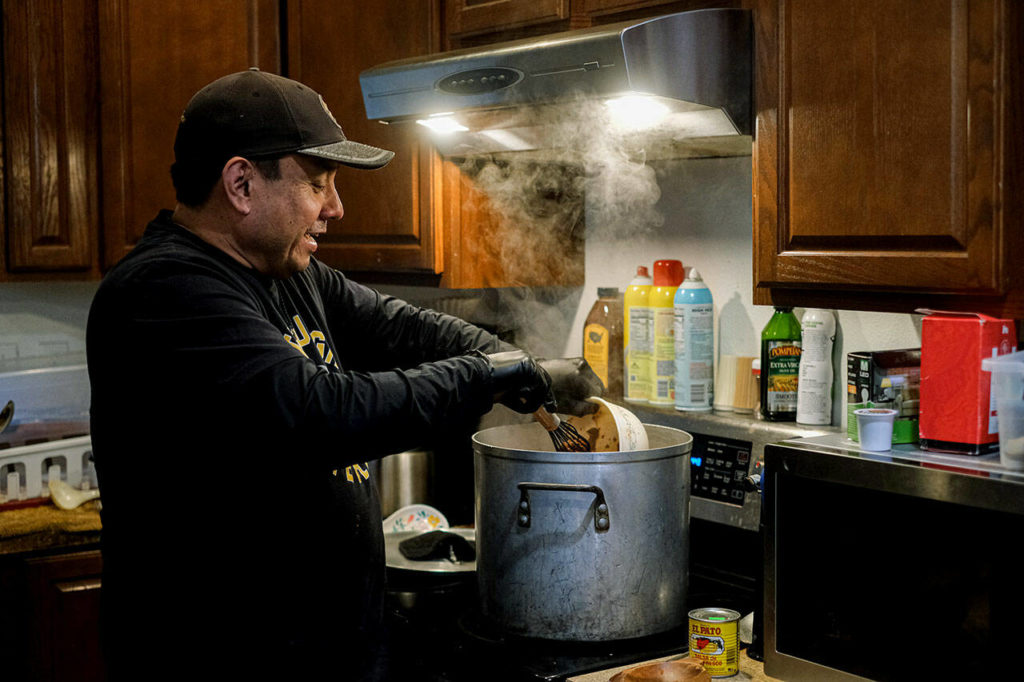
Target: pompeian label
<point x="783" y="375"/>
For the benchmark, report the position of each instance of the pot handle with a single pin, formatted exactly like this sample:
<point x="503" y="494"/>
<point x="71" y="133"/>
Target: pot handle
<point x="601" y="519"/>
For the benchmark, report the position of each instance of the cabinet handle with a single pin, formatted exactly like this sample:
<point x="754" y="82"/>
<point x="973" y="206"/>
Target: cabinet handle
<point x="83" y="585"/>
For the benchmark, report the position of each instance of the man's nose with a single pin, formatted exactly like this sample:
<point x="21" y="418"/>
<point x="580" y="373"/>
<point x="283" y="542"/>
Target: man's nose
<point x="333" y="209"/>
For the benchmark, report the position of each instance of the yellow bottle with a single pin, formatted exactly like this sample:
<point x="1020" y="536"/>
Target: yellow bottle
<point x="668" y="274"/>
<point x="636" y="338"/>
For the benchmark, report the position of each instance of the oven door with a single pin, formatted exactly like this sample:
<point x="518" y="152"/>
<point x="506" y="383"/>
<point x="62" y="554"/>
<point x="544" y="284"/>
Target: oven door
<point x="889" y="567"/>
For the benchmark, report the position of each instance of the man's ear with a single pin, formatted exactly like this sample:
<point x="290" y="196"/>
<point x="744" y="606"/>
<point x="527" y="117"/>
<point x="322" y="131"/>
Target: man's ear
<point x="236" y="177"/>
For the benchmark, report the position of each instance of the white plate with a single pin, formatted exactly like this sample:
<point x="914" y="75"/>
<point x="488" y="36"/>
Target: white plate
<point x="395" y="559"/>
<point x="415" y="517"/>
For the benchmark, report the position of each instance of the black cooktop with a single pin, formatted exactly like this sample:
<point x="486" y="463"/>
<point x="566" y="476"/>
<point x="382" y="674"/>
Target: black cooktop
<point x="439" y="635"/>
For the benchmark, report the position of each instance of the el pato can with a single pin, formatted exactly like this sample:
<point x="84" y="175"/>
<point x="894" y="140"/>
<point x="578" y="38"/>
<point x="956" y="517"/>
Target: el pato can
<point x="715" y="640"/>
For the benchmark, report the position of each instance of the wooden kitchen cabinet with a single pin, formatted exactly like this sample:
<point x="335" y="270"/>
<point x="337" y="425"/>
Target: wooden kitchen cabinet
<point x="392" y="216"/>
<point x="535" y="240"/>
<point x="420" y="219"/>
<point x="92" y="93"/>
<point x="475" y="22"/>
<point x="49" y="617"/>
<point x="887" y="159"/>
<point x="49" y="172"/>
<point x="604" y="11"/>
<point x="64" y="617"/>
<point x="468" y="17"/>
<point x="154" y="56"/>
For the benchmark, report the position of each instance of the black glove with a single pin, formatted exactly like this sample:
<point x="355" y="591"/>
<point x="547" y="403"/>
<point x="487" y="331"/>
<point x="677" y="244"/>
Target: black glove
<point x="519" y="382"/>
<point x="572" y="382"/>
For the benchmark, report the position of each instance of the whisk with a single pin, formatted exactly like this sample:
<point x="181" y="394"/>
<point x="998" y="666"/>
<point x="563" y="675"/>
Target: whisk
<point x="563" y="434"/>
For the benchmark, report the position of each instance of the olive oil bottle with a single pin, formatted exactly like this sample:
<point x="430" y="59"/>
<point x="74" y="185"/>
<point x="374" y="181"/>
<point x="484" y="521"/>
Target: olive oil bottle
<point x="780" y="366"/>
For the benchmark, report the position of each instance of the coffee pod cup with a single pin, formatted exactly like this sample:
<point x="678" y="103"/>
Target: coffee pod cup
<point x="874" y="428"/>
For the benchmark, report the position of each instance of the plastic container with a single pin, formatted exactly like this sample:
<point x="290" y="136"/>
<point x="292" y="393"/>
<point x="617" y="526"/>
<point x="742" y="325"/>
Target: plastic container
<point x="874" y="424"/>
<point x="725" y="383"/>
<point x="814" y="393"/>
<point x="668" y="275"/>
<point x="780" y="365"/>
<point x="694" y="321"/>
<point x="636" y="338"/>
<point x="1008" y="393"/>
<point x="602" y="339"/>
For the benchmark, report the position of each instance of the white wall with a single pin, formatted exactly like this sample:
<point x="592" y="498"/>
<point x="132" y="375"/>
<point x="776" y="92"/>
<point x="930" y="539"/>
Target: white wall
<point x="706" y="208"/>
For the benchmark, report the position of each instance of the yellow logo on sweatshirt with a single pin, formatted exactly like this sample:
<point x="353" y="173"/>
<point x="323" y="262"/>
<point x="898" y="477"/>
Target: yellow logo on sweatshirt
<point x="357" y="473"/>
<point x="301" y="338"/>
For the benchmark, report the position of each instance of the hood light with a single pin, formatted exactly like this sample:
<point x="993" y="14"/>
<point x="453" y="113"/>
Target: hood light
<point x="442" y="123"/>
<point x="633" y="112"/>
<point x="508" y="140"/>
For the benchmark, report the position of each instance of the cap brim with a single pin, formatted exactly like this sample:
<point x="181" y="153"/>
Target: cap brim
<point x="349" y="153"/>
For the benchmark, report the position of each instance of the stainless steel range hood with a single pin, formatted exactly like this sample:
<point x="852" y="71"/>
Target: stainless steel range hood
<point x="687" y="75"/>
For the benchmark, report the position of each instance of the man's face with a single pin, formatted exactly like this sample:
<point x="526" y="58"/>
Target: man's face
<point x="288" y="216"/>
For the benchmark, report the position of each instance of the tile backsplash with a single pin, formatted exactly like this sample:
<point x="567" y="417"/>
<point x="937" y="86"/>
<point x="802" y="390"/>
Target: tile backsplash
<point x="42" y="324"/>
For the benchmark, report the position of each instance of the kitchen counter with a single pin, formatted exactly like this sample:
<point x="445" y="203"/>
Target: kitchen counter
<point x="750" y="671"/>
<point x="45" y="527"/>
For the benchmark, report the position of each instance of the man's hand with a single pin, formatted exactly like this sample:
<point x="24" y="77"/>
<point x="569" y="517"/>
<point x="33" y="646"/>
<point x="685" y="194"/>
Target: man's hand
<point x="519" y="382"/>
<point x="572" y="382"/>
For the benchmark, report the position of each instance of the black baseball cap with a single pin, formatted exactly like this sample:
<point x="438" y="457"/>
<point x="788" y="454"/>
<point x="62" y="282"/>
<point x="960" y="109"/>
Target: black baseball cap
<point x="257" y="114"/>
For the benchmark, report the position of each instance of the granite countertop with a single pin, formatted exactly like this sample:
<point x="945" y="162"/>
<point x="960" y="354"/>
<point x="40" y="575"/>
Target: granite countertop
<point x="46" y="527"/>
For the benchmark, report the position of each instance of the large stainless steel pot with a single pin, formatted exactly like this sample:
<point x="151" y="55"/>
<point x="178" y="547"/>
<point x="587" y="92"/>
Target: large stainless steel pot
<point x="403" y="479"/>
<point x="581" y="546"/>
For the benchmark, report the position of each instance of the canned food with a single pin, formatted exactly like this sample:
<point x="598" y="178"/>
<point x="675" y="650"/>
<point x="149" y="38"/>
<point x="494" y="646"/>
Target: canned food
<point x="715" y="640"/>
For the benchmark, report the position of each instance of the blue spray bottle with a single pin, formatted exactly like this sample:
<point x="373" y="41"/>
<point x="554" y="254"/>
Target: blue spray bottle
<point x="694" y="318"/>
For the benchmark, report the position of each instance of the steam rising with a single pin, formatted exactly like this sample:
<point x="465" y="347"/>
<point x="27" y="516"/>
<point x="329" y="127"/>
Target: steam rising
<point x="597" y="180"/>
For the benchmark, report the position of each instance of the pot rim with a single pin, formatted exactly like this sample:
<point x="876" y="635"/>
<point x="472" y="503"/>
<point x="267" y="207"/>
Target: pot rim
<point x="482" y="445"/>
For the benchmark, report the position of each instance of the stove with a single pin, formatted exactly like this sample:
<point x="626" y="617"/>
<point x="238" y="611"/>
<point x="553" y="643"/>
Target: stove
<point x="438" y="634"/>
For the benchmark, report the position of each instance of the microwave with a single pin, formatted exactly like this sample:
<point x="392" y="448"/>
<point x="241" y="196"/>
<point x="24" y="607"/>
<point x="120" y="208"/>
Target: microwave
<point x="899" y="565"/>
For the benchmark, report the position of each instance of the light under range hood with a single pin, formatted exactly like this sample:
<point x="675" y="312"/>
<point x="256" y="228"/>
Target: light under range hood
<point x="677" y="85"/>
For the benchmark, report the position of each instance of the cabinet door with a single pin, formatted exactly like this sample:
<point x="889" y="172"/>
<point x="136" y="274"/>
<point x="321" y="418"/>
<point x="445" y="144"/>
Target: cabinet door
<point x="603" y="8"/>
<point x="155" y="55"/>
<point x="49" y="141"/>
<point x="513" y="232"/>
<point x="65" y="607"/>
<point x="390" y="220"/>
<point x="879" y="155"/>
<point x="468" y="17"/>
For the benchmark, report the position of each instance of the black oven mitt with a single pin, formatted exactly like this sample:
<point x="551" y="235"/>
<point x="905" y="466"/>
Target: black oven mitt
<point x="438" y="545"/>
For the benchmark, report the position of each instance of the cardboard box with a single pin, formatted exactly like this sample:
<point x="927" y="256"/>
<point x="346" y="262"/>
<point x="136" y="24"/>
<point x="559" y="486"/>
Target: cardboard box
<point x="958" y="411"/>
<point x="886" y="378"/>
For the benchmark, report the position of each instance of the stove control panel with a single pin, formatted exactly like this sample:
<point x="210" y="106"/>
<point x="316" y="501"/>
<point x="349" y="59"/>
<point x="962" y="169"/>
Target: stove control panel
<point x="719" y="468"/>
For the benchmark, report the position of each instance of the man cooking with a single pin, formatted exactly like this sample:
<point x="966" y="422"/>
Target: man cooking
<point x="239" y="387"/>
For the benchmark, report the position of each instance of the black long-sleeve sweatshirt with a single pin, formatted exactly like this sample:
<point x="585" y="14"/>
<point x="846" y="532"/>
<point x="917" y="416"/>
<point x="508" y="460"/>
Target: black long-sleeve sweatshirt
<point x="232" y="419"/>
